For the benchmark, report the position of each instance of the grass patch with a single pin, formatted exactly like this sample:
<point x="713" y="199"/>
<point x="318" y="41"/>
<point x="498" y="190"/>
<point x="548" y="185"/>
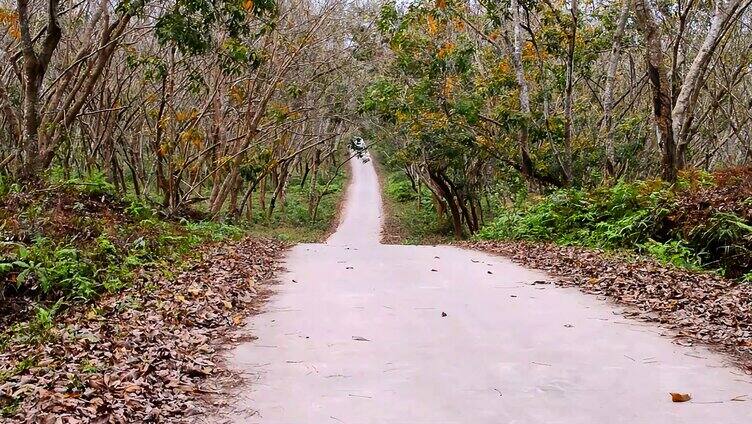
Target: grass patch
<point x="292" y="222"/>
<point x="408" y="219"/>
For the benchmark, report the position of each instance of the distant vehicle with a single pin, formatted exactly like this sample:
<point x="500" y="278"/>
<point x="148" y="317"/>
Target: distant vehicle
<point x="358" y="144"/>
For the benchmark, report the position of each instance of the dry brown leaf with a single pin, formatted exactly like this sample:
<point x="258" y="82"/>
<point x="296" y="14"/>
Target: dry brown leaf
<point x="680" y="397"/>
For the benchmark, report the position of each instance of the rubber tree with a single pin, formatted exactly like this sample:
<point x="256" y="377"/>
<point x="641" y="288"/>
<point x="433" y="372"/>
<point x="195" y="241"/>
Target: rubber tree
<point x="607" y="126"/>
<point x="673" y="118"/>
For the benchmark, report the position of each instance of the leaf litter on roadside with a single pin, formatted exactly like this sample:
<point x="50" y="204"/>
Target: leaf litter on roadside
<point x="147" y="354"/>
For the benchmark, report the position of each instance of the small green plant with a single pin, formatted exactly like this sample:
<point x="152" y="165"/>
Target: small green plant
<point x="94" y="184"/>
<point x="44" y="320"/>
<point x="105" y="247"/>
<point x="9" y="407"/>
<point x="21" y="367"/>
<point x="214" y="230"/>
<point x="674" y="252"/>
<point x="139" y="209"/>
<point x="4" y="185"/>
<point x="694" y="179"/>
<point x="723" y="228"/>
<point x="89" y="367"/>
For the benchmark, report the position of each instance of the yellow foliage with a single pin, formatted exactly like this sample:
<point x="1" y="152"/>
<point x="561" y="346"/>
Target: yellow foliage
<point x="237" y="94"/>
<point x="222" y="161"/>
<point x="449" y="84"/>
<point x="446" y="50"/>
<point x="529" y="53"/>
<point x="484" y="142"/>
<point x="248" y="5"/>
<point x="441" y="4"/>
<point x="433" y="26"/>
<point x="504" y="67"/>
<point x="434" y="120"/>
<point x="192" y="136"/>
<point x="10" y="20"/>
<point x="282" y="109"/>
<point x="184" y="116"/>
<point x="582" y="143"/>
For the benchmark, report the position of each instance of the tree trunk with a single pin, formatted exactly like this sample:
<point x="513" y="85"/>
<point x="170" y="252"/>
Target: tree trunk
<point x="313" y="194"/>
<point x="681" y="116"/>
<point x="34" y="69"/>
<point x="522" y="137"/>
<point x="445" y="192"/>
<point x="660" y="87"/>
<point x="569" y="96"/>
<point x="606" y="129"/>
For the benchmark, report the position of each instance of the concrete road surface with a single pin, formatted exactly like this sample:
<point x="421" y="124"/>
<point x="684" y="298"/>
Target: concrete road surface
<point x="364" y="333"/>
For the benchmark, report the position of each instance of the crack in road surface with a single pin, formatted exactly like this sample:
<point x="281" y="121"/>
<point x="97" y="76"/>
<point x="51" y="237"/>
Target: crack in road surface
<point x="423" y="334"/>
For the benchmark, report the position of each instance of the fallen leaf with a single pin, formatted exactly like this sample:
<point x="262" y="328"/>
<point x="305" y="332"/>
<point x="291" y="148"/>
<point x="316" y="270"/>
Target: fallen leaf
<point x="680" y="397"/>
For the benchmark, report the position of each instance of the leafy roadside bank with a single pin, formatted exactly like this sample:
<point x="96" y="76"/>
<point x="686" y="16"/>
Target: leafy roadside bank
<point x="98" y="292"/>
<point x="402" y="221"/>
<point x="699" y="307"/>
<point x="702" y="222"/>
<point x="146" y="353"/>
<point x="71" y="241"/>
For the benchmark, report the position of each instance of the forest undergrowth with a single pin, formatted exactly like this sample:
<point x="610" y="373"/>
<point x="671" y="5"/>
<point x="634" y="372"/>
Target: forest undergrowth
<point x="703" y="222"/>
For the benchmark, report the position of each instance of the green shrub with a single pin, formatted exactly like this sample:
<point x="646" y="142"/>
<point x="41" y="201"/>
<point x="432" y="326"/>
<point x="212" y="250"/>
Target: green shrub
<point x="617" y="216"/>
<point x="723" y="229"/>
<point x="400" y="189"/>
<point x="633" y="216"/>
<point x="727" y="238"/>
<point x="674" y="252"/>
<point x="94" y="184"/>
<point x="215" y="231"/>
<point x="54" y="270"/>
<point x="139" y="209"/>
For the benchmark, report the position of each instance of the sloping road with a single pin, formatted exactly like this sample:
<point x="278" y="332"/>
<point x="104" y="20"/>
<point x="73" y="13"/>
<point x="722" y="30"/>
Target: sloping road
<point x="357" y="334"/>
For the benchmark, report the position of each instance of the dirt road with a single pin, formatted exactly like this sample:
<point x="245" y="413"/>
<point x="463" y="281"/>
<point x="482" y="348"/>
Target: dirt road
<point x="363" y="333"/>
